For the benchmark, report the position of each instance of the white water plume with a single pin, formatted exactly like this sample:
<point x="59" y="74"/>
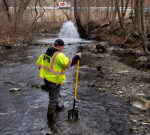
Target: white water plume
<point x="68" y="33"/>
<point x="68" y="30"/>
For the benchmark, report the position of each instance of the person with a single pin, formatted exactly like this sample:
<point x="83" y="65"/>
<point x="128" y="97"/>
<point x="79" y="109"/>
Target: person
<point x="53" y="64"/>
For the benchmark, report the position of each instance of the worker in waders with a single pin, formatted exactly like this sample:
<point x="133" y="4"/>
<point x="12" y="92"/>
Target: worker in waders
<point x="53" y="64"/>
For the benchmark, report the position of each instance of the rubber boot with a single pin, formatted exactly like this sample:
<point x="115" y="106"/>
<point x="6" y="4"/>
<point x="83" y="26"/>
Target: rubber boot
<point x="51" y="115"/>
<point x="44" y="87"/>
<point x="59" y="107"/>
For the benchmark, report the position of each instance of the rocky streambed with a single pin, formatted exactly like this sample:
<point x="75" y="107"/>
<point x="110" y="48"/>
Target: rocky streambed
<point x="125" y="74"/>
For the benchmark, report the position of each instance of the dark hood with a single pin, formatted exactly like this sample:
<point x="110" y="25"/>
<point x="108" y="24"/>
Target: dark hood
<point x="50" y="51"/>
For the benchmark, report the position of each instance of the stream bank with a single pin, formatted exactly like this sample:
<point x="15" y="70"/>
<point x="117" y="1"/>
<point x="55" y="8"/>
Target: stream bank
<point x="124" y="73"/>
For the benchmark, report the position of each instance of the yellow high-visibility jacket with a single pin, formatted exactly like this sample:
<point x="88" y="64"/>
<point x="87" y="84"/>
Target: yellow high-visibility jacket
<point x="53" y="68"/>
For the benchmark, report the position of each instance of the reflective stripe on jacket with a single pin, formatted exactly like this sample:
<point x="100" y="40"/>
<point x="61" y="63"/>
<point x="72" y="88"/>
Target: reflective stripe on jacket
<point x="53" y="68"/>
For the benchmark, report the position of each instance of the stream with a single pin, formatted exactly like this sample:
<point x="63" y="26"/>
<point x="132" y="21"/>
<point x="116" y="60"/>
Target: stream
<point x="24" y="112"/>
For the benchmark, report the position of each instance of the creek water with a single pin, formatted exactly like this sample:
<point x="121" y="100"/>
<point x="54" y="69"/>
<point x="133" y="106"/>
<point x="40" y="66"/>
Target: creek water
<point x="24" y="112"/>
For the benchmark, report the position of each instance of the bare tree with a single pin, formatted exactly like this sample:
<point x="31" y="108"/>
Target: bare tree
<point x="114" y="13"/>
<point x="82" y="31"/>
<point x="19" y="13"/>
<point x="121" y="15"/>
<point x="140" y="23"/>
<point x="36" y="14"/>
<point x="7" y="10"/>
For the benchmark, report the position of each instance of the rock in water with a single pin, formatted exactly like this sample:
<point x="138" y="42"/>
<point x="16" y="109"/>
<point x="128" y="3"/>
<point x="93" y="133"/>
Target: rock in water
<point x="140" y="103"/>
<point x="14" y="89"/>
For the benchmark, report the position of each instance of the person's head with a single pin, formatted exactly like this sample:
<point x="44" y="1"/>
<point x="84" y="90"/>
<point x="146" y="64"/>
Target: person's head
<point x="59" y="44"/>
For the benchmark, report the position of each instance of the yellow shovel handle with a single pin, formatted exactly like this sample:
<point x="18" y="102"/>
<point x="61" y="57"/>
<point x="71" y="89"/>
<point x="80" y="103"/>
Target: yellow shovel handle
<point x="76" y="83"/>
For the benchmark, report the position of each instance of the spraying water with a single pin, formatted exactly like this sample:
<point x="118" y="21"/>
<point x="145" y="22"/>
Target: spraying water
<point x="68" y="30"/>
<point x="68" y="33"/>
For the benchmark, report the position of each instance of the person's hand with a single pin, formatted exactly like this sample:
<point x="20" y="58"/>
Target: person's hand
<point x="79" y="54"/>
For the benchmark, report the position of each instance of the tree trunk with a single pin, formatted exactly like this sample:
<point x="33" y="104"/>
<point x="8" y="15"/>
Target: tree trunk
<point x="119" y="15"/>
<point x="125" y="10"/>
<point x="22" y="6"/>
<point x="114" y="14"/>
<point x="81" y="30"/>
<point x="135" y="15"/>
<point x="139" y="16"/>
<point x="144" y="36"/>
<point x="7" y="11"/>
<point x="143" y="17"/>
<point x="140" y="20"/>
<point x="15" y="7"/>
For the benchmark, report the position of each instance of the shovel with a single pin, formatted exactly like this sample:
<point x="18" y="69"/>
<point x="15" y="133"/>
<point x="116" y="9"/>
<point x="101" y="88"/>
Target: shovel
<point x="73" y="113"/>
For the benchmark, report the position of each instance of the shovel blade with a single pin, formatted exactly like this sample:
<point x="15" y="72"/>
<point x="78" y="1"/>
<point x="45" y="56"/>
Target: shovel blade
<point x="72" y="114"/>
